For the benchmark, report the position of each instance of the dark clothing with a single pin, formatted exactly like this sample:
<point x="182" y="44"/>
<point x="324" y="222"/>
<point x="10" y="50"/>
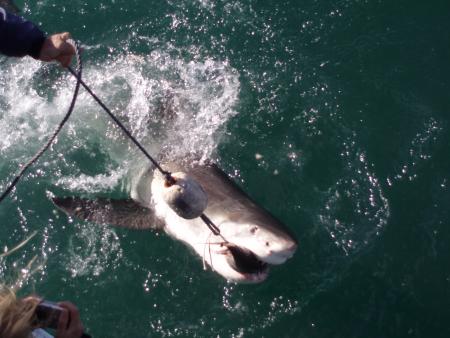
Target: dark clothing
<point x="19" y="37"/>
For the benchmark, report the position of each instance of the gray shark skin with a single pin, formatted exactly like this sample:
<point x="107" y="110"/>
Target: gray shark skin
<point x="251" y="239"/>
<point x="9" y="6"/>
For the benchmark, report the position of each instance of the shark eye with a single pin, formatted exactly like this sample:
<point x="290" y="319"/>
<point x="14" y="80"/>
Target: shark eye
<point x="253" y="229"/>
<point x="267" y="243"/>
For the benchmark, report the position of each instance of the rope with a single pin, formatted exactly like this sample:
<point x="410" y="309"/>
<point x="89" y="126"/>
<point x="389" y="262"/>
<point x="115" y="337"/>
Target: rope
<point x="168" y="176"/>
<point x="41" y="151"/>
<point x="166" y="173"/>
<point x="214" y="229"/>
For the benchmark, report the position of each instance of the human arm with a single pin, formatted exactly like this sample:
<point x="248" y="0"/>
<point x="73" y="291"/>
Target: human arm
<point x="19" y="37"/>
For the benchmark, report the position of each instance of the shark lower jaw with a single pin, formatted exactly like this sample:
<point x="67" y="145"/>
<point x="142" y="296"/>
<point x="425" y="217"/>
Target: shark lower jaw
<point x="233" y="275"/>
<point x="253" y="277"/>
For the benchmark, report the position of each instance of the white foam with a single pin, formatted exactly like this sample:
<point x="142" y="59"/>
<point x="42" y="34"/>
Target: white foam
<point x="167" y="102"/>
<point x="91" y="184"/>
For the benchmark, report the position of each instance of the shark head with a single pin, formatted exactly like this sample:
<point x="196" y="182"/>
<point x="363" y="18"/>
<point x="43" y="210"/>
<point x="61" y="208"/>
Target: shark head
<point x="245" y="252"/>
<point x="250" y="239"/>
<point x="269" y="245"/>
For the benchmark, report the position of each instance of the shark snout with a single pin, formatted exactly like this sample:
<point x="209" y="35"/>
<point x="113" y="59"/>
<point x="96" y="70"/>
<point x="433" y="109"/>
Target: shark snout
<point x="280" y="253"/>
<point x="291" y="249"/>
<point x="287" y="251"/>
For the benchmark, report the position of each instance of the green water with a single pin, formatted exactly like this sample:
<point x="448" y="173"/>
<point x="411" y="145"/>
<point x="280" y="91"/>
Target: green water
<point x="346" y="101"/>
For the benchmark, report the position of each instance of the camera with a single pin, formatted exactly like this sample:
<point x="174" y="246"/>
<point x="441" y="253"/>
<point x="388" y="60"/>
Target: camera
<point x="47" y="314"/>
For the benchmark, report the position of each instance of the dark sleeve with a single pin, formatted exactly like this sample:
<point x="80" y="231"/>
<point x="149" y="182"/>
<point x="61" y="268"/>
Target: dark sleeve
<point x="19" y="37"/>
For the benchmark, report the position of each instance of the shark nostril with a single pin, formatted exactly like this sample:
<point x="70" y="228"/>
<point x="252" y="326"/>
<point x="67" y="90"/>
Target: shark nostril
<point x="253" y="230"/>
<point x="267" y="244"/>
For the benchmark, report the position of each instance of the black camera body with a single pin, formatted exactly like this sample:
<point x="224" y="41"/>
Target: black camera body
<point x="48" y="313"/>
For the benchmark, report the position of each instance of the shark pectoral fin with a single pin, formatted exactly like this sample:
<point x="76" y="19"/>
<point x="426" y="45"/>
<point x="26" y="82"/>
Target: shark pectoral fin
<point x="122" y="213"/>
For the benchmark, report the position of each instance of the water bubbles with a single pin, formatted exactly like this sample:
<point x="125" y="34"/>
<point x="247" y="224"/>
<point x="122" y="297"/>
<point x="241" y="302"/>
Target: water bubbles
<point x="356" y="209"/>
<point x="152" y="281"/>
<point x="280" y="306"/>
<point x="93" y="249"/>
<point x="292" y="156"/>
<point x="420" y="150"/>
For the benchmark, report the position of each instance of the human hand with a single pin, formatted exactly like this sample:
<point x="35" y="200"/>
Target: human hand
<point x="56" y="48"/>
<point x="69" y="325"/>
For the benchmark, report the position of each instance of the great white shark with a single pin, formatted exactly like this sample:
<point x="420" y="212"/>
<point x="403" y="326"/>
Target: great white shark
<point x="251" y="239"/>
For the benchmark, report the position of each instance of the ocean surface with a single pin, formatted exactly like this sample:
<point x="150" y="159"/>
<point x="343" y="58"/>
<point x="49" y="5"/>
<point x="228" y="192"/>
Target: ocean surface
<point x="333" y="115"/>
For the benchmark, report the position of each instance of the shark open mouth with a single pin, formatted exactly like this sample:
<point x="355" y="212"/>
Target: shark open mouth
<point x="246" y="262"/>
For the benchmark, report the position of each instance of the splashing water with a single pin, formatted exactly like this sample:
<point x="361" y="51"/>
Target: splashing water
<point x="168" y="104"/>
